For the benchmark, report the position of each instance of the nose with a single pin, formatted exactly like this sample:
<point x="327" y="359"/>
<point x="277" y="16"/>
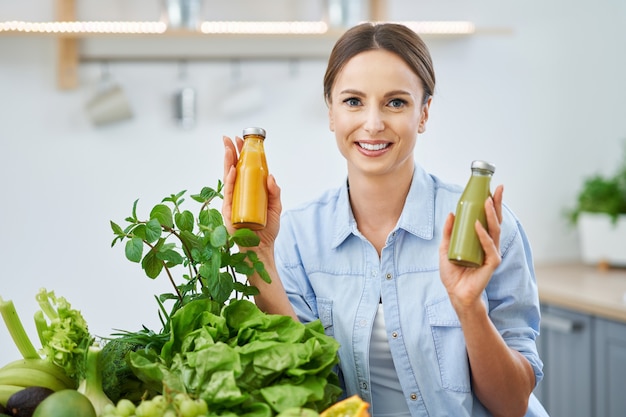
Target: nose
<point x="374" y="121"/>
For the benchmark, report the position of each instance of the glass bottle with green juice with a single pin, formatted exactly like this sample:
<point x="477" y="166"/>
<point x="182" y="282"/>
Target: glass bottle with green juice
<point x="465" y="248"/>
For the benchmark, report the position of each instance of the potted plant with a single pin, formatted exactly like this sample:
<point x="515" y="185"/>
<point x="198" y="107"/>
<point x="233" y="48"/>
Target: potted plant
<point x="600" y="218"/>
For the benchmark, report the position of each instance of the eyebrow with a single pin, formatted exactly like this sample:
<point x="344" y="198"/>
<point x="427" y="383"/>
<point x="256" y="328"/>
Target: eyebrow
<point x="388" y="94"/>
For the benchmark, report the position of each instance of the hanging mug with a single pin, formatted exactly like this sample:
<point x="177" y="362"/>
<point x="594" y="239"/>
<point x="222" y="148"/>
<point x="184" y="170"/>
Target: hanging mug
<point x="185" y="107"/>
<point x="109" y="104"/>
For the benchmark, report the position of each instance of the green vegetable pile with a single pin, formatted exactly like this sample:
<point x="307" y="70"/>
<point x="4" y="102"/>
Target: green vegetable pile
<point x="214" y="344"/>
<point x="244" y="362"/>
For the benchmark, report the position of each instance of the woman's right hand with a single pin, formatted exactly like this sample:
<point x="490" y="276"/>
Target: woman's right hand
<point x="274" y="208"/>
<point x="272" y="297"/>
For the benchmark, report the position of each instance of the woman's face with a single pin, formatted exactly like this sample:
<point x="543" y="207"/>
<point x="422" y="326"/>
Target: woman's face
<point x="376" y="113"/>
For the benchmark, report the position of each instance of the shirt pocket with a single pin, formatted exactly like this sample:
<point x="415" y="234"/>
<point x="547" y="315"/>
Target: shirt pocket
<point x="449" y="346"/>
<point x="325" y="313"/>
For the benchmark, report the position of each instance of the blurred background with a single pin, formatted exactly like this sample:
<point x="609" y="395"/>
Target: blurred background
<point x="538" y="89"/>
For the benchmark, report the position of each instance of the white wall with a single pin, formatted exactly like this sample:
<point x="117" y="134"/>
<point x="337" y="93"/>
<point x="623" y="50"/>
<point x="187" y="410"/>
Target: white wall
<point x="545" y="103"/>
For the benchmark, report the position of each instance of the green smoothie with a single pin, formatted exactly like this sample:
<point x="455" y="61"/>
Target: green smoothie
<point x="465" y="248"/>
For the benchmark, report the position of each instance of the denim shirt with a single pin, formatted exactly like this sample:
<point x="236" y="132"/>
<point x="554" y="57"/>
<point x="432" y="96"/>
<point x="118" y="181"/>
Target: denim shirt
<point x="332" y="273"/>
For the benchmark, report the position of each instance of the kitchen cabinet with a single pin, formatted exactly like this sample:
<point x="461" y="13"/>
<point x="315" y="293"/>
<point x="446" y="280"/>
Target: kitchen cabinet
<point x="583" y="340"/>
<point x="584" y="364"/>
<point x="566" y="348"/>
<point x="610" y="364"/>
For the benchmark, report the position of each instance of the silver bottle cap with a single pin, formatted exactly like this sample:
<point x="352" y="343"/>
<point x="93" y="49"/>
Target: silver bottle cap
<point x="484" y="165"/>
<point x="254" y="131"/>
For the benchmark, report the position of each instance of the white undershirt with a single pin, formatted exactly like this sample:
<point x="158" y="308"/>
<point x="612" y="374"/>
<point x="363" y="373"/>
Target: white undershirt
<point x="387" y="397"/>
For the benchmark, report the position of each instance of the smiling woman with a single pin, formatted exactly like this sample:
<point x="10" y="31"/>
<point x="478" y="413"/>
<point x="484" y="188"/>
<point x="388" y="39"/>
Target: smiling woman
<point x="417" y="334"/>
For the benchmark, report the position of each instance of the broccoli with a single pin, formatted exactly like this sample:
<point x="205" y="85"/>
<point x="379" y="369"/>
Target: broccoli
<point x="118" y="379"/>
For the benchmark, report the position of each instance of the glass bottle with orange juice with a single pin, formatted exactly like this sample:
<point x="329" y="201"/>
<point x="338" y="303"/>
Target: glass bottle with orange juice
<point x="249" y="208"/>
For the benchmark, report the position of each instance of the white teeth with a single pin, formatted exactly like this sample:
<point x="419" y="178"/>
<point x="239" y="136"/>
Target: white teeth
<point x="373" y="147"/>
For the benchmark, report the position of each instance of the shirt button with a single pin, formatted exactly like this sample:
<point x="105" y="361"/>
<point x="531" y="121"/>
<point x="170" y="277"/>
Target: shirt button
<point x="364" y="385"/>
<point x="388" y="276"/>
<point x="394" y="335"/>
<point x="413" y="396"/>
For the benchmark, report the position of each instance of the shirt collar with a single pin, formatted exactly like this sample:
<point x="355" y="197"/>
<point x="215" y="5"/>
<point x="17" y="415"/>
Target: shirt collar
<point x="345" y="224"/>
<point x="418" y="214"/>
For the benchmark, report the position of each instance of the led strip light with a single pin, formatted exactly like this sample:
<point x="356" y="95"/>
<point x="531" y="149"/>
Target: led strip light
<point x="217" y="27"/>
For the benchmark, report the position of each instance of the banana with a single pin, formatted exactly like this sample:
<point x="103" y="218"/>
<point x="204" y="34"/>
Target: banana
<point x="42" y="365"/>
<point x="29" y="377"/>
<point x="6" y="391"/>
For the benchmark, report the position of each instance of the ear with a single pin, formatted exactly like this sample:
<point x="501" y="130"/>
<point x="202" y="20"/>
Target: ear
<point x="424" y="116"/>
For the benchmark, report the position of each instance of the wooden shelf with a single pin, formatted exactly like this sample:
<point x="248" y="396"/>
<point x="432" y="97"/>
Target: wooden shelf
<point x="73" y="48"/>
<point x="190" y="45"/>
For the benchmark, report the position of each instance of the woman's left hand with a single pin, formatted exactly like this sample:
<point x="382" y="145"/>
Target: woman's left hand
<point x="465" y="284"/>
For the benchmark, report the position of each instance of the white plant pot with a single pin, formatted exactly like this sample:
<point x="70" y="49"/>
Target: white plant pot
<point x="601" y="240"/>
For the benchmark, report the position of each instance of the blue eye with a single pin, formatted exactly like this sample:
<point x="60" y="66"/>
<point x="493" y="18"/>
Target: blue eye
<point x="352" y="101"/>
<point x="397" y="103"/>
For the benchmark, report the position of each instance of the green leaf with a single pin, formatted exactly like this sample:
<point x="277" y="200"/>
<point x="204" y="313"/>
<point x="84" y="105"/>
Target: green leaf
<point x="284" y="397"/>
<point x="222" y="389"/>
<point x="265" y="276"/>
<point x="119" y="233"/>
<point x="191" y="316"/>
<point x="221" y="287"/>
<point x="245" y="238"/>
<point x="152" y="231"/>
<point x="139" y="231"/>
<point x="204" y="219"/>
<point x="134" y="215"/>
<point x="190" y="241"/>
<point x="205" y="195"/>
<point x="184" y="220"/>
<point x="174" y="198"/>
<point x="146" y="365"/>
<point x="260" y="269"/>
<point x="246" y="290"/>
<point x="215" y="217"/>
<point x="151" y="263"/>
<point x="163" y="214"/>
<point x="167" y="296"/>
<point x="134" y="249"/>
<point x="170" y="256"/>
<point x="243" y="268"/>
<point x="117" y="229"/>
<point x="219" y="237"/>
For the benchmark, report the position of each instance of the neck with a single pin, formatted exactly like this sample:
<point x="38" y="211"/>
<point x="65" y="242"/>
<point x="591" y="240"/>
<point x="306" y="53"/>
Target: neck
<point x="377" y="202"/>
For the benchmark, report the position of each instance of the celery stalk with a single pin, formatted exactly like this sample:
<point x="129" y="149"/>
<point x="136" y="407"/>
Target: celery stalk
<point x="91" y="385"/>
<point x="16" y="329"/>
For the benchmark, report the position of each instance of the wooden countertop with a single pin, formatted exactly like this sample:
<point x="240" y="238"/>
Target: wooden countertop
<point x="591" y="290"/>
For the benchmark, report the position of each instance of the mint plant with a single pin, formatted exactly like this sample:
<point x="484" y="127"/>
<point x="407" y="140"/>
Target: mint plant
<point x="195" y="252"/>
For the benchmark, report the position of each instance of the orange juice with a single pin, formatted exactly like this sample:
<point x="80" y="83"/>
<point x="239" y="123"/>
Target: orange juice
<point x="249" y="207"/>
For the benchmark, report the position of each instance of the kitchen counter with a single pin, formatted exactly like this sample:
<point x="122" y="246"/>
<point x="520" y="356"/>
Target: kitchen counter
<point x="588" y="289"/>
